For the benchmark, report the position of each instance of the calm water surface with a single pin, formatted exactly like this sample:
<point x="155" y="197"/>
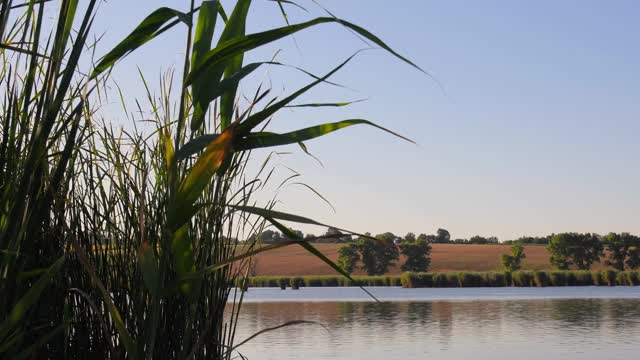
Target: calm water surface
<point x="487" y="323"/>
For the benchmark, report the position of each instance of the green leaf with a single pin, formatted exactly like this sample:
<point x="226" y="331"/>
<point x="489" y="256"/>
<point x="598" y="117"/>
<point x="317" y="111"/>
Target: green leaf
<point x="236" y="27"/>
<point x="336" y="104"/>
<point x="150" y="269"/>
<point x="267" y="213"/>
<point x="201" y="44"/>
<point x="184" y="260"/>
<point x="229" y="83"/>
<point x="148" y="29"/>
<point x="212" y="75"/>
<point x="266" y="139"/>
<point x="234" y="259"/>
<point x="199" y="177"/>
<point x="29" y="299"/>
<point x="195" y="145"/>
<point x="257" y="118"/>
<point x="241" y="45"/>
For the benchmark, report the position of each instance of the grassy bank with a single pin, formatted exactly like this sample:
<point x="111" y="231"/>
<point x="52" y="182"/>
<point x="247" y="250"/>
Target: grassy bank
<point x="457" y="279"/>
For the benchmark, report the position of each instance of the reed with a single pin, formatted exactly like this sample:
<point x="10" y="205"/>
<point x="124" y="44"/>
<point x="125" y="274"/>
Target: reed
<point x="45" y="108"/>
<point x="522" y="278"/>
<point x="143" y="226"/>
<point x="609" y="277"/>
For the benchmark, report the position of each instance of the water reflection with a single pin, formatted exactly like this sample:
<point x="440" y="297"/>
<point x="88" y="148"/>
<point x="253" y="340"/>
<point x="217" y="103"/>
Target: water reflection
<point x="524" y="329"/>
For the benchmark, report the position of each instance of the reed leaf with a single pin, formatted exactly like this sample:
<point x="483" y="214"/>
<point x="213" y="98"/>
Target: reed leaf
<point x="240" y="45"/>
<point x="146" y="31"/>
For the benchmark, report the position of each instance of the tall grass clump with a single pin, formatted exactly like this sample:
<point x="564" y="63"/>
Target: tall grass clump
<point x="470" y="279"/>
<point x="558" y="278"/>
<point x="522" y="278"/>
<point x="541" y="278"/>
<point x="44" y="117"/>
<point x="137" y="236"/>
<point x="495" y="279"/>
<point x="583" y="278"/>
<point x="597" y="278"/>
<point x="609" y="277"/>
<point x="632" y="278"/>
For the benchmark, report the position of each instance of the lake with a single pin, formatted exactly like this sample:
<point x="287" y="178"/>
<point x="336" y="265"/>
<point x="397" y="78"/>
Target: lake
<point x="460" y="323"/>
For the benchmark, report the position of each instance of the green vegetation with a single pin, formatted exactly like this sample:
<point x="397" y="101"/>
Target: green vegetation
<point x="323" y="281"/>
<point x="417" y="253"/>
<point x="573" y="249"/>
<point x="623" y="251"/>
<point x="348" y="257"/>
<point x="513" y="262"/>
<point x="375" y="257"/>
<point x="521" y="279"/>
<point x="131" y="234"/>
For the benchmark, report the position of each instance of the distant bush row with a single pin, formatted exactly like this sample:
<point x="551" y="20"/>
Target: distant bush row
<point x="319" y="281"/>
<point x="522" y="279"/>
<point x="455" y="279"/>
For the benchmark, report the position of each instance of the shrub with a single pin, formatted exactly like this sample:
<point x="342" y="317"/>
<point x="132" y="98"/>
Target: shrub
<point x="609" y="277"/>
<point x="597" y="278"/>
<point x="541" y="278"/>
<point x="283" y="282"/>
<point x="296" y="282"/>
<point x="633" y="278"/>
<point x="470" y="279"/>
<point x="495" y="279"/>
<point x="558" y="278"/>
<point x="522" y="278"/>
<point x="417" y="280"/>
<point x="452" y="280"/>
<point x="583" y="278"/>
<point x="511" y="263"/>
<point x="440" y="280"/>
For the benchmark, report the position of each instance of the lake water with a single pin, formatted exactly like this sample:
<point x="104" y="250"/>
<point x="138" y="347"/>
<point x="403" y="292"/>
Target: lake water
<point x="459" y="324"/>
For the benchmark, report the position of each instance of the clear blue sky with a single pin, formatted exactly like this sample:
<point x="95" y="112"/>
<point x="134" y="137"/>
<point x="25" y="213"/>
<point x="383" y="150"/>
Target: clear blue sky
<point x="537" y="131"/>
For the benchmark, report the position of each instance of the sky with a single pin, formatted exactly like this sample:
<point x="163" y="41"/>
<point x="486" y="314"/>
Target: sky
<point x="527" y="124"/>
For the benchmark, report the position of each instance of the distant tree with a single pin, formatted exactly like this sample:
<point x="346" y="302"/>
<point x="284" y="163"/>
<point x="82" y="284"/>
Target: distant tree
<point x="432" y="239"/>
<point x="377" y="256"/>
<point x="538" y="240"/>
<point x="267" y="236"/>
<point x="511" y="263"/>
<point x="493" y="240"/>
<point x="348" y="257"/>
<point x="442" y="236"/>
<point x="335" y="235"/>
<point x="573" y="249"/>
<point x="300" y="235"/>
<point x="621" y="250"/>
<point x="460" y="241"/>
<point x="418" y="255"/>
<point x="410" y="237"/>
<point x="478" y="240"/>
<point x="633" y="258"/>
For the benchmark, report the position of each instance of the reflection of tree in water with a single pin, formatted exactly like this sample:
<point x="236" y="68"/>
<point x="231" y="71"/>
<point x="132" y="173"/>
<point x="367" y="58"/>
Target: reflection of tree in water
<point x="419" y="313"/>
<point x="579" y="314"/>
<point x="624" y="314"/>
<point x="347" y="313"/>
<point x="443" y="314"/>
<point x="385" y="311"/>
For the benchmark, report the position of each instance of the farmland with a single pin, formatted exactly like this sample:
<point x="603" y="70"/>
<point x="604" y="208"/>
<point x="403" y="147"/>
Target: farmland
<point x="294" y="260"/>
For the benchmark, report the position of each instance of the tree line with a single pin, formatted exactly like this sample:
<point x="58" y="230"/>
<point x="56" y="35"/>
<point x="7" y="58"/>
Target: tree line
<point x="333" y="235"/>
<point x="620" y="251"/>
